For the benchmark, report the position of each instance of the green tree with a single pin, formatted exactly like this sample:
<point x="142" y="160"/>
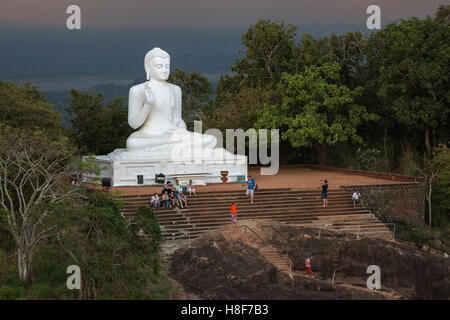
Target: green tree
<point x="236" y="109"/>
<point x="443" y="15"/>
<point x="118" y="257"/>
<point x="196" y="94"/>
<point x="410" y="65"/>
<point x="34" y="179"/>
<point x="349" y="51"/>
<point x="96" y="127"/>
<point x="26" y="107"/>
<point x="437" y="169"/>
<point x="316" y="110"/>
<point x="270" y="50"/>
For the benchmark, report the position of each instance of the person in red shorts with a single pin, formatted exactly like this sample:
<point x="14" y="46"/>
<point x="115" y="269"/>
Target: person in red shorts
<point x="308" y="266"/>
<point x="233" y="211"/>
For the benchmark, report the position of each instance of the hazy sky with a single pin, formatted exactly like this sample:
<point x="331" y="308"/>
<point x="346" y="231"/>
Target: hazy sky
<point x="208" y="13"/>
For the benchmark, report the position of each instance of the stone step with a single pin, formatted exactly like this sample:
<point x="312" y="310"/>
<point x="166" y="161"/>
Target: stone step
<point x="293" y="220"/>
<point x="281" y="215"/>
<point x="208" y="194"/>
<point x="191" y="232"/>
<point x="255" y="207"/>
<point x="377" y="232"/>
<point x="312" y="219"/>
<point x="210" y="211"/>
<point x="228" y="194"/>
<point x="242" y="193"/>
<point x="241" y="215"/>
<point x="291" y="207"/>
<point x="246" y="202"/>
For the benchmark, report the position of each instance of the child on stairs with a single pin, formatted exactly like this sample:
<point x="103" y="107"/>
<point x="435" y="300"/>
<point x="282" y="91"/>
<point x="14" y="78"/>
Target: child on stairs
<point x="308" y="266"/>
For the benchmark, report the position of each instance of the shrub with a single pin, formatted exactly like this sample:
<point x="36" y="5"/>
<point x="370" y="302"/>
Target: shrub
<point x="12" y="293"/>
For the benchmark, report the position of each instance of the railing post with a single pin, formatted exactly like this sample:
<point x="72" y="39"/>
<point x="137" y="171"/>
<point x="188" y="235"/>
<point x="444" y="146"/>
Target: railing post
<point x="320" y="229"/>
<point x="290" y="270"/>
<point x="189" y="237"/>
<point x="357" y="237"/>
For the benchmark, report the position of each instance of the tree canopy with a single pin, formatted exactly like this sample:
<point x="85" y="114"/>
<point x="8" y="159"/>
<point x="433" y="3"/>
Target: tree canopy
<point x="98" y="128"/>
<point x="317" y="110"/>
<point x="26" y="107"/>
<point x="411" y="65"/>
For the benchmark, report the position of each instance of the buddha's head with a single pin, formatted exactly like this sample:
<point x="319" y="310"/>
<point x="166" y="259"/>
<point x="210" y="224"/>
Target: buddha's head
<point x="157" y="64"/>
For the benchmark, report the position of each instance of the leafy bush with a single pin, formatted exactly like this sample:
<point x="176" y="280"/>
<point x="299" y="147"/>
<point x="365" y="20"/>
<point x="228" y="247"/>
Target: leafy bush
<point x="437" y="238"/>
<point x="12" y="293"/>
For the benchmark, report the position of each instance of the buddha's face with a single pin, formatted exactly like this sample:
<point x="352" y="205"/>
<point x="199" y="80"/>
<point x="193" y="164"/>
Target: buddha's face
<point x="160" y="68"/>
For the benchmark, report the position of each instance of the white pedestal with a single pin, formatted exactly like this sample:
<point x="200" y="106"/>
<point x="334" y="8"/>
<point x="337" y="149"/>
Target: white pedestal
<point x="123" y="167"/>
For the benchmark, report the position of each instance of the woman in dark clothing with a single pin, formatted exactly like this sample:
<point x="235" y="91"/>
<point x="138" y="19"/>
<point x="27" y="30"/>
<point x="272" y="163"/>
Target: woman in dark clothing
<point x="324" y="185"/>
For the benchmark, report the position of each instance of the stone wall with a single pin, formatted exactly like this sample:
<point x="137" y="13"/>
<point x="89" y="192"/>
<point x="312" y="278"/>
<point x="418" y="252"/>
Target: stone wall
<point x="390" y="202"/>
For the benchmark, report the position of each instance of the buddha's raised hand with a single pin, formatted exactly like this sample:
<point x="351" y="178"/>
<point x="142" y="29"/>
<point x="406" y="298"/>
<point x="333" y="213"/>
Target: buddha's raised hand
<point x="148" y="94"/>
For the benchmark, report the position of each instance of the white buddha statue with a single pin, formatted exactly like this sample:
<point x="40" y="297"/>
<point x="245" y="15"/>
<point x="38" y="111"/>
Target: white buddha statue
<point x="155" y="108"/>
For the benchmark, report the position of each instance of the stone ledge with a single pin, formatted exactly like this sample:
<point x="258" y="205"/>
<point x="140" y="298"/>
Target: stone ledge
<point x="381" y="175"/>
<point x="362" y="186"/>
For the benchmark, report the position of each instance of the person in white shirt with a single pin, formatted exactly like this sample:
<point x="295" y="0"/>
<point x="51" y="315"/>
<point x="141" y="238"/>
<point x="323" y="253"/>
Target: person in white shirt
<point x="155" y="201"/>
<point x="357" y="198"/>
<point x="191" y="189"/>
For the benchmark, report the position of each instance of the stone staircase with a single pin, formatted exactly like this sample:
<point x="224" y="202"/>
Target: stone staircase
<point x="275" y="257"/>
<point x="283" y="263"/>
<point x="210" y="210"/>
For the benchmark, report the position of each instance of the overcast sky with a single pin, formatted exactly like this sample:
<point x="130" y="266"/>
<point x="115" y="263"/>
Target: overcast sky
<point x="208" y="13"/>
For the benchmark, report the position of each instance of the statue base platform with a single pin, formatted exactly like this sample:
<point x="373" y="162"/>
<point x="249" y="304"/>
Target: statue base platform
<point x="125" y="168"/>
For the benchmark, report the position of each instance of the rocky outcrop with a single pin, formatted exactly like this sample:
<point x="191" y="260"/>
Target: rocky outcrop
<point x="224" y="265"/>
<point x="410" y="271"/>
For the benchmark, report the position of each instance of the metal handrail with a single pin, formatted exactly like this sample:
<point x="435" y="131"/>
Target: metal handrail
<point x="287" y="246"/>
<point x="286" y="239"/>
<point x="278" y="232"/>
<point x="330" y="224"/>
<point x="247" y="227"/>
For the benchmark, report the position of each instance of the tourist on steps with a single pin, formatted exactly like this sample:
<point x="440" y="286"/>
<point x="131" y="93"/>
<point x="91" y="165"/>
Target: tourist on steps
<point x="233" y="211"/>
<point x="324" y="185"/>
<point x="308" y="266"/>
<point x="191" y="189"/>
<point x="182" y="201"/>
<point x="356" y="197"/>
<point x="177" y="186"/>
<point x="166" y="187"/>
<point x="251" y="188"/>
<point x="172" y="198"/>
<point x="165" y="200"/>
<point x="155" y="201"/>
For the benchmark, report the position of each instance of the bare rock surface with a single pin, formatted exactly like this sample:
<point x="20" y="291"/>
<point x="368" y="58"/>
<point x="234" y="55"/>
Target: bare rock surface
<point x="237" y="264"/>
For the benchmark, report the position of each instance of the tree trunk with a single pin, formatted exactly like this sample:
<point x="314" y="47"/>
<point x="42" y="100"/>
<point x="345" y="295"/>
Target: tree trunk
<point x="429" y="202"/>
<point x="427" y="142"/>
<point x="24" y="264"/>
<point x="321" y="153"/>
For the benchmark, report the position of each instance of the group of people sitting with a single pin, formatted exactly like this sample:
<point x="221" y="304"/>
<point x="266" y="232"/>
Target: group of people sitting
<point x="173" y="195"/>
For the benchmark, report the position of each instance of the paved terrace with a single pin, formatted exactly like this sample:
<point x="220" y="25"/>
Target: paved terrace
<point x="295" y="177"/>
